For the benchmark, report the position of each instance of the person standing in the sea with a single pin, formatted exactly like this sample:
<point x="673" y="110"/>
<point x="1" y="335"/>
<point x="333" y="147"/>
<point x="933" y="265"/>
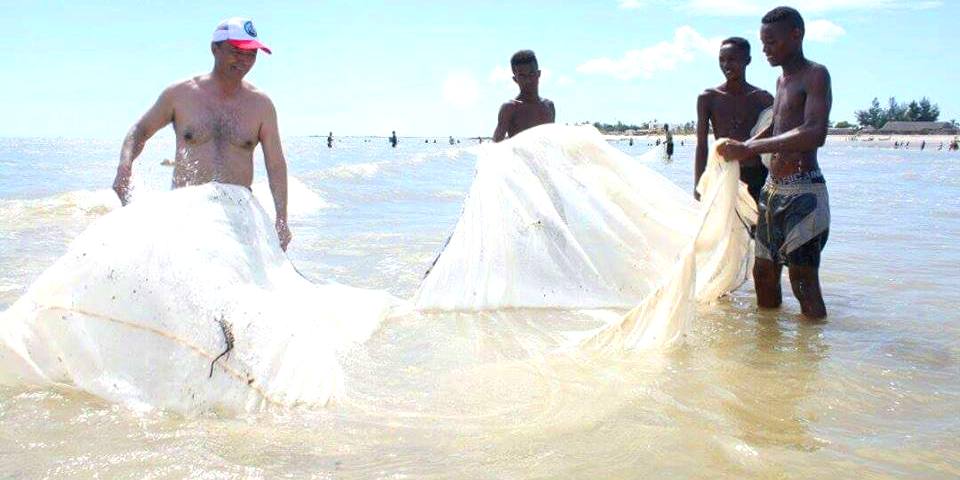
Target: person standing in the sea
<point x="393" y="139"/>
<point x="218" y="119"/>
<point x="668" y="141"/>
<point x="330" y="140"/>
<point x="732" y="109"/>
<point x="794" y="211"/>
<point x="528" y="109"/>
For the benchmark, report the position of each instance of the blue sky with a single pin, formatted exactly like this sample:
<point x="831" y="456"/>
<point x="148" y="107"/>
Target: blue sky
<point x="90" y="69"/>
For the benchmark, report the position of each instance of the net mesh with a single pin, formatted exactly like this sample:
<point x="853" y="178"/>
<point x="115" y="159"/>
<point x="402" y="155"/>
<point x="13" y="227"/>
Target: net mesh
<point x="558" y="218"/>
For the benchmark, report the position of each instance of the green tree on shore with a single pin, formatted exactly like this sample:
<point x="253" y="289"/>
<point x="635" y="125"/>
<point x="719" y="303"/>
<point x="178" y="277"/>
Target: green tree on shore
<point x="873" y="116"/>
<point x="877" y="117"/>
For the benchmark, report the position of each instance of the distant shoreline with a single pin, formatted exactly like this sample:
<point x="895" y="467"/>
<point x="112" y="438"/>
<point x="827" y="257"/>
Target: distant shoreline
<point x="886" y="141"/>
<point x="877" y="141"/>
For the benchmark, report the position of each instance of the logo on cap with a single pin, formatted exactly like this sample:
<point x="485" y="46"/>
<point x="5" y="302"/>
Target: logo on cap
<point x="248" y="27"/>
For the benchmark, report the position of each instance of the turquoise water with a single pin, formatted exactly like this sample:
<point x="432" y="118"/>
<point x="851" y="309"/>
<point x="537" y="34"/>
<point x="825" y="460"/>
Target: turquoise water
<point x="874" y="391"/>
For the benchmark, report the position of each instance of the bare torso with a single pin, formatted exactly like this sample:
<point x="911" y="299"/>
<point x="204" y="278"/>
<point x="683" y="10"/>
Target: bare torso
<point x="218" y="120"/>
<point x="734" y="115"/>
<point x="789" y="113"/>
<point x="216" y="134"/>
<point x="518" y="115"/>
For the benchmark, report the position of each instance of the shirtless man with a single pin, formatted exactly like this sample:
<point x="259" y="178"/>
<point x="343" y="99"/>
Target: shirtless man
<point x="527" y="110"/>
<point x="794" y="210"/>
<point x="219" y="119"/>
<point x="733" y="109"/>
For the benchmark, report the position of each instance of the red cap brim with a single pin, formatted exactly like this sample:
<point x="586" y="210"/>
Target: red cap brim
<point x="249" y="45"/>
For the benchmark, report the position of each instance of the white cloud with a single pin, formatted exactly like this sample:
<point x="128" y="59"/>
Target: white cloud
<point x="759" y="7"/>
<point x="725" y="7"/>
<point x="631" y="4"/>
<point x="564" y="80"/>
<point x="500" y="75"/>
<point x="738" y="8"/>
<point x="546" y="76"/>
<point x="461" y="90"/>
<point x="824" y="31"/>
<point x="664" y="56"/>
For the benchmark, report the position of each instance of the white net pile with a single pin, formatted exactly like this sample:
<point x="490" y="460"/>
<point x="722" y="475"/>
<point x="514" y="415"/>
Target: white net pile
<point x="557" y="218"/>
<point x="150" y="295"/>
<point x="184" y="301"/>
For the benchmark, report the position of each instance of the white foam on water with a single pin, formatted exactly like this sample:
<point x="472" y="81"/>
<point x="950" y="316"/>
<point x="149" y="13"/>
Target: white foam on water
<point x="450" y="195"/>
<point x="76" y="203"/>
<point x="350" y="170"/>
<point x="301" y="200"/>
<point x="17" y="213"/>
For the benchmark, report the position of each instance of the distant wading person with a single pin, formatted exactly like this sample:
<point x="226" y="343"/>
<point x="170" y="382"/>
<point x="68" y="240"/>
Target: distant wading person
<point x="669" y="140"/>
<point x="393" y="139"/>
<point x="794" y="212"/>
<point x="218" y="119"/>
<point x="527" y="110"/>
<point x="732" y="108"/>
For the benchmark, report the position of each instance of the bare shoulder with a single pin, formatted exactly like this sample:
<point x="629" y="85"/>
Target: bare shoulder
<point x="182" y="87"/>
<point x="761" y="96"/>
<point x="256" y="94"/>
<point x="260" y="100"/>
<point x="509" y="107"/>
<point x="819" y="69"/>
<point x="818" y="73"/>
<point x="706" y="97"/>
<point x="547" y="102"/>
<point x="710" y="93"/>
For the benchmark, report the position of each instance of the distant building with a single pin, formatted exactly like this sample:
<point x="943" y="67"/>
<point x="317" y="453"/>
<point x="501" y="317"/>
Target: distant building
<point x="919" y="128"/>
<point x="842" y="131"/>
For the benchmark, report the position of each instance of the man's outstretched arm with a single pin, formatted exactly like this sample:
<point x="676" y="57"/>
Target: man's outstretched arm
<point x="503" y="120"/>
<point x="159" y="115"/>
<point x="276" y="171"/>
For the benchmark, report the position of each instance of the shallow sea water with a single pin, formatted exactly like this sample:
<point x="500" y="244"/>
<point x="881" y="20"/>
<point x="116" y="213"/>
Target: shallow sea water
<point x="873" y="392"/>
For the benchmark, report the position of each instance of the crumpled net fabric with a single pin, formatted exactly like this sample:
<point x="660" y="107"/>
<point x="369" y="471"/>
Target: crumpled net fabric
<point x="144" y="306"/>
<point x="558" y="218"/>
<point x="143" y="302"/>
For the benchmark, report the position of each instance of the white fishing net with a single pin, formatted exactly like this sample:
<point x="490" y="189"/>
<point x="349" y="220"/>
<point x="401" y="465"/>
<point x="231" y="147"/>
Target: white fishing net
<point x="146" y="298"/>
<point x="764" y="120"/>
<point x="145" y="301"/>
<point x="558" y="218"/>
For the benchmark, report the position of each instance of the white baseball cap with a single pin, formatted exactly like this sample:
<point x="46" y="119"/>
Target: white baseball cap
<point x="239" y="32"/>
